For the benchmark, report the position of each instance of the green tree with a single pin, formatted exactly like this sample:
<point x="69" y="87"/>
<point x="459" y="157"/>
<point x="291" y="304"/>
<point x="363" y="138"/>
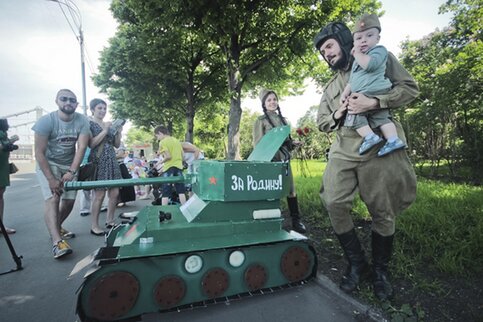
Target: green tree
<point x="211" y="131"/>
<point x="165" y="68"/>
<point x="138" y="136"/>
<point x="131" y="86"/>
<point x="259" y="42"/>
<point x="246" y="132"/>
<point x="315" y="143"/>
<point x="264" y="42"/>
<point x="445" y="123"/>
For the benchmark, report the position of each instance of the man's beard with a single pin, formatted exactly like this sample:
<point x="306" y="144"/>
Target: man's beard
<point x="340" y="64"/>
<point x="68" y="110"/>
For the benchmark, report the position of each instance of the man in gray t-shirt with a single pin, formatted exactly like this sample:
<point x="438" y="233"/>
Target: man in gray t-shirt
<point x="56" y="136"/>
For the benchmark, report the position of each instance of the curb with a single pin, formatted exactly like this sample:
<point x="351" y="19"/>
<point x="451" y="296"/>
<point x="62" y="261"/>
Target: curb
<point x="362" y="309"/>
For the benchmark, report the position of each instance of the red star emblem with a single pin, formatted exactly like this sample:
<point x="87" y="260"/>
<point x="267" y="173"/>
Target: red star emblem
<point x="212" y="180"/>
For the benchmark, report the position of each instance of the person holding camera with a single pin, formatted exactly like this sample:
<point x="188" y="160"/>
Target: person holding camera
<point x="58" y="160"/>
<point x="105" y="137"/>
<point x="6" y="146"/>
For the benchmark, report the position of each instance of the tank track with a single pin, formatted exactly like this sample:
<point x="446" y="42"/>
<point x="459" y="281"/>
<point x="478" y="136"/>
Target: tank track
<point x="125" y="290"/>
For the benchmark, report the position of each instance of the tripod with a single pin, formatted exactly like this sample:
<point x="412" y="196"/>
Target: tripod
<point x="17" y="259"/>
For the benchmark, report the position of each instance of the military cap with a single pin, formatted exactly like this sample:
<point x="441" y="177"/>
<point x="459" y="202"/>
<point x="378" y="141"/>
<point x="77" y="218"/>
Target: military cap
<point x="264" y="93"/>
<point x="367" y="21"/>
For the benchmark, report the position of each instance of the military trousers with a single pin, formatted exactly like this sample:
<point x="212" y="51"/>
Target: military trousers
<point x="291" y="181"/>
<point x="387" y="185"/>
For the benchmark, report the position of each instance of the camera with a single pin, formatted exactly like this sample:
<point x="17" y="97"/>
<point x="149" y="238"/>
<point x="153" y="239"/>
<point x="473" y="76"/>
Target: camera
<point x="152" y="173"/>
<point x="9" y="147"/>
<point x="116" y="126"/>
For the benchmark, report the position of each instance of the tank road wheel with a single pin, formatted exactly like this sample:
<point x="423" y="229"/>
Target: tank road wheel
<point x="215" y="282"/>
<point x="255" y="277"/>
<point x="169" y="291"/>
<point x="295" y="263"/>
<point x="113" y="295"/>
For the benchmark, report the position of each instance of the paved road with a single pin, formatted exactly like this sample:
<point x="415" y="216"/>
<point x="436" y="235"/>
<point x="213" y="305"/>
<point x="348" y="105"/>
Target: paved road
<point x="42" y="292"/>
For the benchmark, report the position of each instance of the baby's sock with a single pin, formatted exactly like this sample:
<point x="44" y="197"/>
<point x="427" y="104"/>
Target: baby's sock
<point x="392" y="139"/>
<point x="372" y="136"/>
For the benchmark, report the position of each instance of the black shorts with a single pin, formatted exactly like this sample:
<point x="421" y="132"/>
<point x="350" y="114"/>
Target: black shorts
<point x="166" y="187"/>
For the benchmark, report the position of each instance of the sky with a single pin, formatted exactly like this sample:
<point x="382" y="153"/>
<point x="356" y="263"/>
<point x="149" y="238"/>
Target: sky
<point x="41" y="54"/>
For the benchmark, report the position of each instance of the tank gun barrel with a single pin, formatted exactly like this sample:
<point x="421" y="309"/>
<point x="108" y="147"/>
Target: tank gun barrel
<point x="87" y="185"/>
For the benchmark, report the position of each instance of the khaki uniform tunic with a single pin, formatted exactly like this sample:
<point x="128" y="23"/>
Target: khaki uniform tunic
<point x="387" y="184"/>
<point x="262" y="126"/>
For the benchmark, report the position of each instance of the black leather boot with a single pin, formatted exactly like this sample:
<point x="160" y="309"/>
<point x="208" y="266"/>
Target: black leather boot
<point x="293" y="207"/>
<point x="358" y="268"/>
<point x="381" y="254"/>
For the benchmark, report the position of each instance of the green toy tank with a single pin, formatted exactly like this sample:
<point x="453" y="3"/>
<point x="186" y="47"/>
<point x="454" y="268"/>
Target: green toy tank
<point x="226" y="240"/>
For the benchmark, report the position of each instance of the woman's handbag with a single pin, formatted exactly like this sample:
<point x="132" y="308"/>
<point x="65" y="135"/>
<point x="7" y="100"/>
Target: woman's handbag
<point x="12" y="168"/>
<point x="87" y="172"/>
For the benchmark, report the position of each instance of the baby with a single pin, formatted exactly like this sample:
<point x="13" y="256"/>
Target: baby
<point x="367" y="77"/>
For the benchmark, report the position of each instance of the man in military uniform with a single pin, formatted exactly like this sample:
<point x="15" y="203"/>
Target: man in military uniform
<point x="387" y="185"/>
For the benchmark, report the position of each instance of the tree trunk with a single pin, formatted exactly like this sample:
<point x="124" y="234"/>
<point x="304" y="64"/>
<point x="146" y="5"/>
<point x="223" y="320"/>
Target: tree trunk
<point x="190" y="119"/>
<point x="190" y="110"/>
<point x="235" y="84"/>
<point x="190" y="125"/>
<point x="234" y="127"/>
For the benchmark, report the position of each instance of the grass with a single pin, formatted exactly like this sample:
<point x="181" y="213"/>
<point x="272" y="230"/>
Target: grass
<point x="437" y="260"/>
<point x="442" y="171"/>
<point x="443" y="228"/>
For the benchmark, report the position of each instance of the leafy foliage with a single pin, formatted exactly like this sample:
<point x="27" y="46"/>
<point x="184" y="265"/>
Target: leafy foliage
<point x="173" y="58"/>
<point x="138" y="136"/>
<point x="445" y="123"/>
<point x="211" y="132"/>
<point x="158" y="71"/>
<point x="246" y="133"/>
<point x="316" y="143"/>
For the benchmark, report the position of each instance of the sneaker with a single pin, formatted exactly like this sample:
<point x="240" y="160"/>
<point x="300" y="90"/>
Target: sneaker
<point x="85" y="213"/>
<point x="390" y="147"/>
<point x="9" y="231"/>
<point x="61" y="248"/>
<point x="65" y="234"/>
<point x="367" y="144"/>
<point x="103" y="209"/>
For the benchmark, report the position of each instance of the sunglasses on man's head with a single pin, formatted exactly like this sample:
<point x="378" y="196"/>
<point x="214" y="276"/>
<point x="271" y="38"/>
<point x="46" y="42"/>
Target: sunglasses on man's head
<point x="70" y="99"/>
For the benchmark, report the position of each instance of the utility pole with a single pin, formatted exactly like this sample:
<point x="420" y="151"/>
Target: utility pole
<point x="83" y="71"/>
<point x="76" y="18"/>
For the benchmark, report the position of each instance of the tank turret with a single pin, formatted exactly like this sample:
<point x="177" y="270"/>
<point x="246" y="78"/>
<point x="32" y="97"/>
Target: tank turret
<point x="227" y="239"/>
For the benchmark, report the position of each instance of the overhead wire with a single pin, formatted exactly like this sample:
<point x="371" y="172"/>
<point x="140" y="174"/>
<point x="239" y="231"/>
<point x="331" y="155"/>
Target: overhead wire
<point x="76" y="18"/>
<point x="66" y="18"/>
<point x="75" y="14"/>
<point x="88" y="60"/>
